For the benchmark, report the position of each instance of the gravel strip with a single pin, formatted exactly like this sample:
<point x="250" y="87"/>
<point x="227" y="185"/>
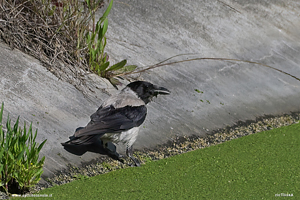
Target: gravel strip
<point x="175" y="146"/>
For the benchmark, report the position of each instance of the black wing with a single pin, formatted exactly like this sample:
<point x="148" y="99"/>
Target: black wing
<point x="113" y="120"/>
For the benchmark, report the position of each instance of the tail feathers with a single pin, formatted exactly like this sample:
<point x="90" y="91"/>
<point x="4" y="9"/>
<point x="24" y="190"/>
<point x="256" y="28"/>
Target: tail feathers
<point x="84" y="140"/>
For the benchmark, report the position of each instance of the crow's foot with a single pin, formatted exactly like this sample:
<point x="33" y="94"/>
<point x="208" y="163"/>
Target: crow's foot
<point x="129" y="153"/>
<point x="112" y="152"/>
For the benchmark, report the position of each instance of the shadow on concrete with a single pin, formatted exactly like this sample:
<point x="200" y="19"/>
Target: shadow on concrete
<point x="96" y="147"/>
<point x="79" y="150"/>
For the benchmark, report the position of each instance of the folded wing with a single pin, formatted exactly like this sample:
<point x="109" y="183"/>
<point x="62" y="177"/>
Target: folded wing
<point x="109" y="120"/>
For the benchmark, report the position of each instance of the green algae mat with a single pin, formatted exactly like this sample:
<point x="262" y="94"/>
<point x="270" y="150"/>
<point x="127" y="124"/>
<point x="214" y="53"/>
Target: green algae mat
<point x="264" y="165"/>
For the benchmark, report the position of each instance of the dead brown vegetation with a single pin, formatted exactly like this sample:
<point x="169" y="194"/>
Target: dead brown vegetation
<point x="52" y="31"/>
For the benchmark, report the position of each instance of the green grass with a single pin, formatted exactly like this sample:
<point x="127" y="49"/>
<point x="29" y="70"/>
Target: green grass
<point x="257" y="166"/>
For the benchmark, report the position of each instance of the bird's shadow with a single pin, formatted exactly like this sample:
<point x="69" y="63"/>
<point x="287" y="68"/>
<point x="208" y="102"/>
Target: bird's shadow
<point x="79" y="150"/>
<point x="95" y="147"/>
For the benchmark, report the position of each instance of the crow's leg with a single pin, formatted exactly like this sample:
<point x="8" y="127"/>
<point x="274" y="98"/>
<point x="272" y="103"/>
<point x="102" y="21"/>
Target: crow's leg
<point x="112" y="151"/>
<point x="129" y="153"/>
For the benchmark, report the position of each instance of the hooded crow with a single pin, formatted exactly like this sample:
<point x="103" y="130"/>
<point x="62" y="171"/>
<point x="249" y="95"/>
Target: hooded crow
<point x="118" y="119"/>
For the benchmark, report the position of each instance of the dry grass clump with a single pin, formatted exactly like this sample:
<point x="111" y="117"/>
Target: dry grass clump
<point x="53" y="31"/>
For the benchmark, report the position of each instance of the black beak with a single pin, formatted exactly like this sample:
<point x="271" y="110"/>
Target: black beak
<point x="161" y="90"/>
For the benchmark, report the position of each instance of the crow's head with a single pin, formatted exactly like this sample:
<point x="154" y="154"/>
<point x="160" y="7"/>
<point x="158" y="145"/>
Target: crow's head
<point x="146" y="91"/>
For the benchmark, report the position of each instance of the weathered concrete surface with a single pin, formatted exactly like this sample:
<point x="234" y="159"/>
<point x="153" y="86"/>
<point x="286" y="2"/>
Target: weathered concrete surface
<point x="265" y="31"/>
<point x="146" y="32"/>
<point x="55" y="107"/>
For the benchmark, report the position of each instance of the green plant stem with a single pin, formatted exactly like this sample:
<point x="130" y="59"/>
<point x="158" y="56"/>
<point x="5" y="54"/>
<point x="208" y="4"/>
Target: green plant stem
<point x="19" y="155"/>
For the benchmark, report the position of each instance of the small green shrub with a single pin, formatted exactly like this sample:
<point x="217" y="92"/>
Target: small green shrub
<point x="19" y="155"/>
<point x="96" y="42"/>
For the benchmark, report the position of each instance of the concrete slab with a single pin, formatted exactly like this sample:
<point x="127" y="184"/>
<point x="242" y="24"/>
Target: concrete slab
<point x="147" y="32"/>
<point x="55" y="107"/>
